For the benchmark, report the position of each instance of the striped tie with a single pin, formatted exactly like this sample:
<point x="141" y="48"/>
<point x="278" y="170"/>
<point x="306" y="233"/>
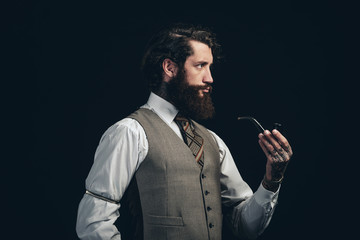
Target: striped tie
<point x="194" y="141"/>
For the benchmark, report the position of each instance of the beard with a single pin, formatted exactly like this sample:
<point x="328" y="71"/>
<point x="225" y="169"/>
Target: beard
<point x="188" y="100"/>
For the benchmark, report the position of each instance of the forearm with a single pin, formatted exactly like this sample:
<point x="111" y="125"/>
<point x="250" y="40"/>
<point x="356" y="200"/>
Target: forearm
<point x="247" y="213"/>
<point x="96" y="219"/>
<point x="251" y="217"/>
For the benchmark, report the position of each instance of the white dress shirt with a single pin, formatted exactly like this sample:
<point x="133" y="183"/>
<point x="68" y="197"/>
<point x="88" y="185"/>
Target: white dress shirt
<point x="121" y="151"/>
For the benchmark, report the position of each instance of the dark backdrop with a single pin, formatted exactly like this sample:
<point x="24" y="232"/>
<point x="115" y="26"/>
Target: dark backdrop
<point x="75" y="68"/>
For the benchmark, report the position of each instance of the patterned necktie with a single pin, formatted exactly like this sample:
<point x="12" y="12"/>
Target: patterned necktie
<point x="194" y="141"/>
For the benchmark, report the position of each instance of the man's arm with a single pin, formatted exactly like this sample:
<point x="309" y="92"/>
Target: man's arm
<point x="278" y="153"/>
<point x="120" y="152"/>
<point x="252" y="216"/>
<point x="246" y="212"/>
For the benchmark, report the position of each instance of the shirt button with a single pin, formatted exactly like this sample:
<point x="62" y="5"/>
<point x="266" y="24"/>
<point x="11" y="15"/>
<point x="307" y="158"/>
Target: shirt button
<point x="211" y="225"/>
<point x="208" y="208"/>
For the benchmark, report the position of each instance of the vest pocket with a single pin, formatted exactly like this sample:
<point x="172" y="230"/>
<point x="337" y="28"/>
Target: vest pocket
<point x="164" y="220"/>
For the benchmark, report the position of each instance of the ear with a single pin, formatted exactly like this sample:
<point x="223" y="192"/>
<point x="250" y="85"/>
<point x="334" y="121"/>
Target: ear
<point x="170" y="69"/>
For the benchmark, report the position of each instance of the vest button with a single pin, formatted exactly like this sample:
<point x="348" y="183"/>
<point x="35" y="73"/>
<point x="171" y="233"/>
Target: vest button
<point x="211" y="225"/>
<point x="207" y="192"/>
<point x="208" y="208"/>
<point x="203" y="175"/>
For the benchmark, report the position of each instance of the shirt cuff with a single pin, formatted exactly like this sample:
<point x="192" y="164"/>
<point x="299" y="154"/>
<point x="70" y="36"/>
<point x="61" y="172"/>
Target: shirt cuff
<point x="264" y="197"/>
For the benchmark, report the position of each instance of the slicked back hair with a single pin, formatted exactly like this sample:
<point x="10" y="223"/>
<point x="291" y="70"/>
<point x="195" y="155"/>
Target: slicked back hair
<point x="173" y="43"/>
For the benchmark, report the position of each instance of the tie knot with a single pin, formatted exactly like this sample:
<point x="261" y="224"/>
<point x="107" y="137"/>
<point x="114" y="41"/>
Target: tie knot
<point x="181" y="119"/>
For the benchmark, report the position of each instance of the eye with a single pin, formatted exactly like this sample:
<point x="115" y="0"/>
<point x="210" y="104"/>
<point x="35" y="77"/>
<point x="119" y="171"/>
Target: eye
<point x="201" y="65"/>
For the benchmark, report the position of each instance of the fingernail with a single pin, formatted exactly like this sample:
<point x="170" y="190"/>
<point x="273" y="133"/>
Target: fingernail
<point x="275" y="131"/>
<point x="267" y="132"/>
<point x="260" y="135"/>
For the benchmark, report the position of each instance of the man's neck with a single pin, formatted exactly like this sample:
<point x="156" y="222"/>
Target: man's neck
<point x="163" y="93"/>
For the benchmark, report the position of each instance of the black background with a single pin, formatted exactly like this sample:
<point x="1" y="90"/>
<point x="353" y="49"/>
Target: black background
<point x="74" y="67"/>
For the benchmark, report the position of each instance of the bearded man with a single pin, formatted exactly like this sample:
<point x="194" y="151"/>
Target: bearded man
<point x="177" y="179"/>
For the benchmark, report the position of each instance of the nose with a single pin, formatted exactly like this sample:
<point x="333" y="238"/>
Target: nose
<point x="208" y="77"/>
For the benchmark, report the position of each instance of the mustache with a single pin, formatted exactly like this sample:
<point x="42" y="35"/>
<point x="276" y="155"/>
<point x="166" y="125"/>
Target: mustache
<point x="204" y="87"/>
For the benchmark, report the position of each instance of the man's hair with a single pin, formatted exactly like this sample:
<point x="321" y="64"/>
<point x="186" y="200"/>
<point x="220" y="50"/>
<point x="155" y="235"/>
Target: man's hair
<point x="173" y="43"/>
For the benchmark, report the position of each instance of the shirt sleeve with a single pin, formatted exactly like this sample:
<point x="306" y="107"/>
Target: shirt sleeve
<point x="121" y="150"/>
<point x="246" y="212"/>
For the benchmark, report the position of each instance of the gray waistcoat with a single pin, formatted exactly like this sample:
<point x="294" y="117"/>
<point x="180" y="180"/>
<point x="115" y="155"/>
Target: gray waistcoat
<point x="178" y="199"/>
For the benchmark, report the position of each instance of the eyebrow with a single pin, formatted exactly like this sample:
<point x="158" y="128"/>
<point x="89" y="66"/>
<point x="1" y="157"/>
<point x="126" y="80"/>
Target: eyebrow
<point x="203" y="62"/>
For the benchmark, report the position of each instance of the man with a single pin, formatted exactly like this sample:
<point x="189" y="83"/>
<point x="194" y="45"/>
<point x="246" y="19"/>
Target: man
<point x="177" y="178"/>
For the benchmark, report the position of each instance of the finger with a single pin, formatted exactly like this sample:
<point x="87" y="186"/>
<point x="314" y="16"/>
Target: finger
<point x="267" y="154"/>
<point x="272" y="140"/>
<point x="270" y="148"/>
<point x="275" y="155"/>
<point x="273" y="158"/>
<point x="284" y="155"/>
<point x="283" y="141"/>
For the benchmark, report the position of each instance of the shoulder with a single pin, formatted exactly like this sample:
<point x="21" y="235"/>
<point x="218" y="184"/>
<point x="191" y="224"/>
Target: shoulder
<point x="125" y="127"/>
<point x="216" y="138"/>
<point x="221" y="144"/>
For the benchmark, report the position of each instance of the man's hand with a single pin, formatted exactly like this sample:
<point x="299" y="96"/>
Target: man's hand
<point x="278" y="153"/>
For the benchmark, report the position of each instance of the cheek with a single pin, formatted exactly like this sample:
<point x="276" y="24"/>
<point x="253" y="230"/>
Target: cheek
<point x="194" y="78"/>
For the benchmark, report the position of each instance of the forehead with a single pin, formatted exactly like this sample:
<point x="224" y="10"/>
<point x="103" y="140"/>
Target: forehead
<point x="202" y="52"/>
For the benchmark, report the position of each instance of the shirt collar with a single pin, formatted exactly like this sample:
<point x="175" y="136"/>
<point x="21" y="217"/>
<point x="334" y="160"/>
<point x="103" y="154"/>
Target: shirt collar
<point x="164" y="109"/>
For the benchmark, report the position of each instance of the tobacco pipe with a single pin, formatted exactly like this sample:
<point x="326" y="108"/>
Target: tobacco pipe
<point x="257" y="124"/>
